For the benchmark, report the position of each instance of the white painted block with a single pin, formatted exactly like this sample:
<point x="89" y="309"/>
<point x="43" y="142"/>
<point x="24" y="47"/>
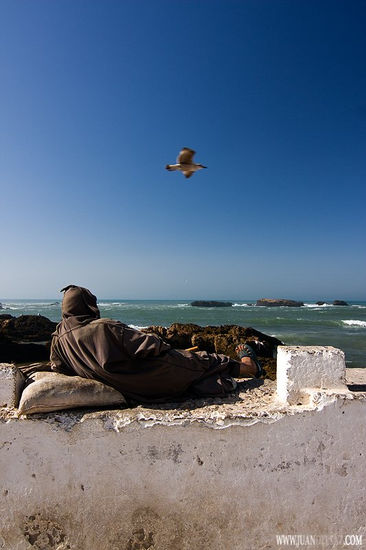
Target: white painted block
<point x="303" y="367"/>
<point x="11" y="385"/>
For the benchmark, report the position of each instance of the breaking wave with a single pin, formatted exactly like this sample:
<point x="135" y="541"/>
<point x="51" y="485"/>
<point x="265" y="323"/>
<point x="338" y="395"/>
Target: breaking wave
<point x="318" y="306"/>
<point x="29" y="305"/>
<point x="109" y="304"/>
<point x="354" y="323"/>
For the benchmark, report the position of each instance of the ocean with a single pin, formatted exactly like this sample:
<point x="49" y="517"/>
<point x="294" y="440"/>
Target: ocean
<point x="343" y="327"/>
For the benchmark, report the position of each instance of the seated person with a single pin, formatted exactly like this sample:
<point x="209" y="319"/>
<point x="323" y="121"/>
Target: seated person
<point x="141" y="366"/>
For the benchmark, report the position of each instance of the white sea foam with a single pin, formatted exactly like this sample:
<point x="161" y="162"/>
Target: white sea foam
<point x="110" y="304"/>
<point x="241" y="305"/>
<point x="136" y="327"/>
<point x="22" y="305"/>
<point x="317" y="306"/>
<point x="354" y="323"/>
<point x="29" y="305"/>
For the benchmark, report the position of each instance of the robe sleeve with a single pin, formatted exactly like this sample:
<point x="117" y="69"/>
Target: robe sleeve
<point x="57" y="365"/>
<point x="139" y="345"/>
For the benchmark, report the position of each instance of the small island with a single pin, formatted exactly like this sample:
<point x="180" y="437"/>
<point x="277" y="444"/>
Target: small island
<point x="340" y="303"/>
<point x="210" y="303"/>
<point x="269" y="302"/>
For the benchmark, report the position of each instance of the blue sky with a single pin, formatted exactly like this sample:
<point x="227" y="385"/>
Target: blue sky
<point x="97" y="96"/>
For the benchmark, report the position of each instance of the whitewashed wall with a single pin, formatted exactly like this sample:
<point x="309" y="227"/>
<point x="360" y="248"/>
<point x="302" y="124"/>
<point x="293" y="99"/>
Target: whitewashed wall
<point x="114" y="481"/>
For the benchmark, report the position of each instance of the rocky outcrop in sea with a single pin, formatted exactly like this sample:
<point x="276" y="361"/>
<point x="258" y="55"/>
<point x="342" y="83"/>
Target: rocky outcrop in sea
<point x="269" y="302"/>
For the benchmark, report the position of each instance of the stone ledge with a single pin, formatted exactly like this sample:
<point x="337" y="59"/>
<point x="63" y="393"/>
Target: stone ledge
<point x="250" y="406"/>
<point x="356" y="377"/>
<point x="254" y="401"/>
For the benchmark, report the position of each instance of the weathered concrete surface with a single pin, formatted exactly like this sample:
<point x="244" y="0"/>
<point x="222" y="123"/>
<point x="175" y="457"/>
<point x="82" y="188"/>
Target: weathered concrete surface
<point x="300" y="369"/>
<point x="356" y="377"/>
<point x="229" y="475"/>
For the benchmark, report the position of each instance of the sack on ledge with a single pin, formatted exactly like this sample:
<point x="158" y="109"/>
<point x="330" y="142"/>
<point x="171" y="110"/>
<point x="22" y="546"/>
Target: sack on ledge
<point x="51" y="391"/>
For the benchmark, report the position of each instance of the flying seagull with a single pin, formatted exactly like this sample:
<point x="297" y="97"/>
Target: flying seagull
<point x="185" y="163"/>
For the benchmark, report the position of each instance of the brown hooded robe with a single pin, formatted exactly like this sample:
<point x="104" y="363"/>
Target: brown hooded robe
<point x="141" y="366"/>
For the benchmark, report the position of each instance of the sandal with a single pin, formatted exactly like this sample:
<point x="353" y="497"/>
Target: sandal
<point x="249" y="352"/>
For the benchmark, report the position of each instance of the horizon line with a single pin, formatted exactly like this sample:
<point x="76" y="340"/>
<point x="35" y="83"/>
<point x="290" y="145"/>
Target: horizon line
<point x="58" y="299"/>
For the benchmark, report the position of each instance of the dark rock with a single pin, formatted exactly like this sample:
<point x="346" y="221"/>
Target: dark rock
<point x="27" y="328"/>
<point x="179" y="335"/>
<point x="270" y="366"/>
<point x="1" y="306"/>
<point x="25" y="338"/>
<point x="210" y="303"/>
<point x="4" y="317"/>
<point x="23" y="353"/>
<point x="221" y="339"/>
<point x="340" y="303"/>
<point x="156" y="329"/>
<point x="268" y="302"/>
<point x="320" y="303"/>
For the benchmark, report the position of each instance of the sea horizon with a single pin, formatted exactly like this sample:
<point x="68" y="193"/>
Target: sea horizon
<point x="192" y="299"/>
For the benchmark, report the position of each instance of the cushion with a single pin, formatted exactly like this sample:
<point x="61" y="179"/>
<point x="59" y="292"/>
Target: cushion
<point x="51" y="391"/>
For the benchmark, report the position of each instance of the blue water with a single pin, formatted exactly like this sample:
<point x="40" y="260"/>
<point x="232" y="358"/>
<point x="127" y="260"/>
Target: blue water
<point x="343" y="327"/>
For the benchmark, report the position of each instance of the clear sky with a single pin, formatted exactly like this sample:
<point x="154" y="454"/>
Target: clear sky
<point x="96" y="96"/>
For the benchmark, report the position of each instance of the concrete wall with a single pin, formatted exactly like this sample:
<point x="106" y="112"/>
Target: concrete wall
<point x="215" y="478"/>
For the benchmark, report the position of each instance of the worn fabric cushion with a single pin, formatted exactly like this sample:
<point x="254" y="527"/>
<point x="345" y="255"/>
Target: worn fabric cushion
<point x="51" y="391"/>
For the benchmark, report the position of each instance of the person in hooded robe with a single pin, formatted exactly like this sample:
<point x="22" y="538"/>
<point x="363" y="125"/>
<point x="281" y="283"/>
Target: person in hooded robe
<point x="141" y="366"/>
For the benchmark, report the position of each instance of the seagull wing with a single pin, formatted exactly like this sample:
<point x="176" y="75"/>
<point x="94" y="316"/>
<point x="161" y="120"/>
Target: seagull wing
<point x="185" y="156"/>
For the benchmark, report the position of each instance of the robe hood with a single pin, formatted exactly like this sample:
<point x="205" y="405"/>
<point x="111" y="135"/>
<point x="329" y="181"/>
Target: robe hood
<point x="79" y="306"/>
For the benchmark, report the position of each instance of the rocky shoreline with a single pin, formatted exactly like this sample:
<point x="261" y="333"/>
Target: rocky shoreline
<point x="27" y="339"/>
